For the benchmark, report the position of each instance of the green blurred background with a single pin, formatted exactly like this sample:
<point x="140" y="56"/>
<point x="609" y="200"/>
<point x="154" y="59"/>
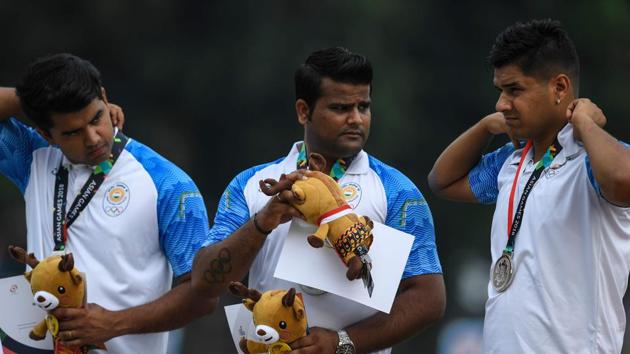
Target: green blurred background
<point x="209" y="85"/>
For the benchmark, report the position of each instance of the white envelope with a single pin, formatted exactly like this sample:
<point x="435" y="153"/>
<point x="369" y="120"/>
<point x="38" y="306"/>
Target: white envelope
<point x="322" y="268"/>
<point x="241" y="323"/>
<point x="19" y="315"/>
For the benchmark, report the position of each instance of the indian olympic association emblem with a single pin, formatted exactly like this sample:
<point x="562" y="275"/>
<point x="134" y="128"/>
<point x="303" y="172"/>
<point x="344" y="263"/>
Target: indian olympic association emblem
<point x="352" y="192"/>
<point x="116" y="199"/>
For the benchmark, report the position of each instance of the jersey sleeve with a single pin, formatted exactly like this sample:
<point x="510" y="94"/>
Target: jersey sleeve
<point x="233" y="210"/>
<point x="17" y="143"/>
<point x="408" y="211"/>
<point x="483" y="177"/>
<point x="591" y="176"/>
<point x="181" y="211"/>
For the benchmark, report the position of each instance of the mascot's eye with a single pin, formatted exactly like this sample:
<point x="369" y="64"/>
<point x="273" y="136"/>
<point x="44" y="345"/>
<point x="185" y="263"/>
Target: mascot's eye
<point x="283" y="325"/>
<point x="61" y="290"/>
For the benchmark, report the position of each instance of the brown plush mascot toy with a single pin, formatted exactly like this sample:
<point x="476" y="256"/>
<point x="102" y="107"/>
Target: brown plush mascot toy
<point x="322" y="203"/>
<point x="55" y="282"/>
<point x="279" y="317"/>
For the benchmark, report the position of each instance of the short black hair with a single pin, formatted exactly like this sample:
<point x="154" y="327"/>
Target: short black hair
<point x="338" y="64"/>
<point x="540" y="48"/>
<point x="58" y="83"/>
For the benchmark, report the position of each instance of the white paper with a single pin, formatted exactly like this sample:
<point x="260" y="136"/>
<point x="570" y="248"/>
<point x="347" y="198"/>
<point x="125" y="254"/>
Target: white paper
<point x="241" y="323"/>
<point x="19" y="315"/>
<point x="321" y="268"/>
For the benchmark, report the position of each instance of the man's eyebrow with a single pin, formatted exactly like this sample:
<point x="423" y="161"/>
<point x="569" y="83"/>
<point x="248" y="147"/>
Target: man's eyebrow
<point x="340" y="104"/>
<point x="68" y="132"/>
<point x="97" y="115"/>
<point x="510" y="84"/>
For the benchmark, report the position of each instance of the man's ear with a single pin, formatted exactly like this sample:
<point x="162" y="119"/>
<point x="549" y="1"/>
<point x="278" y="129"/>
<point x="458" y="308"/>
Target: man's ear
<point x="104" y="94"/>
<point x="302" y="111"/>
<point x="46" y="135"/>
<point x="562" y="87"/>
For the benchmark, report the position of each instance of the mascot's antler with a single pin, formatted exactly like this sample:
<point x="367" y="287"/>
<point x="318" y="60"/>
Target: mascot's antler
<point x="289" y="298"/>
<point x="241" y="290"/>
<point x="20" y="255"/>
<point x="67" y="262"/>
<point x="271" y="187"/>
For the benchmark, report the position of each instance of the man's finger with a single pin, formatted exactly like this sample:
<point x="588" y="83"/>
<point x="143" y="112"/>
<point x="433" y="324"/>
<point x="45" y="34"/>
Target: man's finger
<point x="67" y="313"/>
<point x="302" y="342"/>
<point x="571" y="108"/>
<point x="74" y="343"/>
<point x="67" y="335"/>
<point x="294" y="213"/>
<point x="305" y="350"/>
<point x="288" y="197"/>
<point x="297" y="175"/>
<point x="66" y="325"/>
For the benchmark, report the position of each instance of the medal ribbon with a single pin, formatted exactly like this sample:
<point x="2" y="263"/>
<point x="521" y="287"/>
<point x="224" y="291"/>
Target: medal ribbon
<point x="61" y="220"/>
<point x="514" y="224"/>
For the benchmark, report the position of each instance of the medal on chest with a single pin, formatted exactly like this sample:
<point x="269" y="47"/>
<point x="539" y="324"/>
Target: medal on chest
<point x="503" y="270"/>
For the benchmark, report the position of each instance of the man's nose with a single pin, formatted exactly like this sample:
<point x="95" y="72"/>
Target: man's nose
<point x="354" y="116"/>
<point x="91" y="136"/>
<point x="503" y="104"/>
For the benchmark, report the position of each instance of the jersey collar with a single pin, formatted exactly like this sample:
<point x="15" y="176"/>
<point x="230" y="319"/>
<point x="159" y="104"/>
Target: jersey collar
<point x="359" y="165"/>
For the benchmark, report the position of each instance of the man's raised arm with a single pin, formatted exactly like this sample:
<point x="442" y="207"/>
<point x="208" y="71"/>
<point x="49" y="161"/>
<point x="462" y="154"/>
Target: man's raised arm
<point x="449" y="176"/>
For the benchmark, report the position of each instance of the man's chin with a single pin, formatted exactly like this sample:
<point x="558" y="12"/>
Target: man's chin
<point x="349" y="150"/>
<point x="95" y="160"/>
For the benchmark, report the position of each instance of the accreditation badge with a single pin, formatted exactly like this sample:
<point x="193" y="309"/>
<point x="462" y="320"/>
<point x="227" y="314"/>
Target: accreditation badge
<point x="503" y="272"/>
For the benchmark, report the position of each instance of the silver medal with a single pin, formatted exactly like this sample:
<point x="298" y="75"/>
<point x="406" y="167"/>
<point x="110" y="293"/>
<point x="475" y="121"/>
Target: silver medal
<point x="503" y="272"/>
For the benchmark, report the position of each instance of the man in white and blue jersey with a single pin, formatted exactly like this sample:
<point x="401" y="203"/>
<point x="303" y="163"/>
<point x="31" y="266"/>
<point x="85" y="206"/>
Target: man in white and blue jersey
<point x="132" y="219"/>
<point x="333" y="104"/>
<point x="560" y="240"/>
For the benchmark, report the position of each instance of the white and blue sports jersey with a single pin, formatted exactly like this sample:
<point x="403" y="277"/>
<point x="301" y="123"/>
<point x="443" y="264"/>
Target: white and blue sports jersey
<point x="142" y="227"/>
<point x="571" y="256"/>
<point x="371" y="187"/>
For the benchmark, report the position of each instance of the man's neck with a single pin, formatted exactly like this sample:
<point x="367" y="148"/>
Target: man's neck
<point x="543" y="141"/>
<point x="330" y="160"/>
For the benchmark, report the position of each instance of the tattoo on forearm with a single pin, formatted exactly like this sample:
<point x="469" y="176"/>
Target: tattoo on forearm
<point x="219" y="267"/>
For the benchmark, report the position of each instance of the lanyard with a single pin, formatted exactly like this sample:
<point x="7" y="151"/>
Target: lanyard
<point x="336" y="172"/>
<point x="514" y="224"/>
<point x="61" y="220"/>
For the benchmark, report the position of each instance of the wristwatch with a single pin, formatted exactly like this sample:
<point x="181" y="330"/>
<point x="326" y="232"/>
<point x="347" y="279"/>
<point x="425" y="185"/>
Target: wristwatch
<point x="345" y="345"/>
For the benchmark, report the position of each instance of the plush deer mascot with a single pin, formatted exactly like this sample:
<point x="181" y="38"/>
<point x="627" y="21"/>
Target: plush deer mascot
<point x="279" y="317"/>
<point x="322" y="203"/>
<point x="55" y="282"/>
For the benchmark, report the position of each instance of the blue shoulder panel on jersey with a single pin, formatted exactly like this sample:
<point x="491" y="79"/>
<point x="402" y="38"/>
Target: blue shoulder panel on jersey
<point x="408" y="211"/>
<point x="589" y="170"/>
<point x="233" y="210"/>
<point x="483" y="177"/>
<point x="182" y="215"/>
<point x="17" y="143"/>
